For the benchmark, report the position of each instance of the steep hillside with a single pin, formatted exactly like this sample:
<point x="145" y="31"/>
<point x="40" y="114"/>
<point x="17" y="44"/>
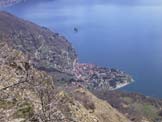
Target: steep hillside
<point x="97" y="107"/>
<point x="48" y="51"/>
<point x="29" y="95"/>
<point x="136" y="107"/>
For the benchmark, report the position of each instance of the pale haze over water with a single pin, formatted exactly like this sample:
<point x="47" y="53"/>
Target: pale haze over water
<point x="126" y="35"/>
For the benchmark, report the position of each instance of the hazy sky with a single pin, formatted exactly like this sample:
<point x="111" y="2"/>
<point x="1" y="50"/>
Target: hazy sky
<point x="117" y="2"/>
<point x="136" y="2"/>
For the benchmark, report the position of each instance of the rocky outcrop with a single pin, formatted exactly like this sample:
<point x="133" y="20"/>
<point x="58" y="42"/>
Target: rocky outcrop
<point x="97" y="107"/>
<point x="29" y="95"/>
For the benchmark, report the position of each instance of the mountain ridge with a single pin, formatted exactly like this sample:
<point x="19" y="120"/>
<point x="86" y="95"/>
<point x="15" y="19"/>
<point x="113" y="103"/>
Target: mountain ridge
<point x="5" y="3"/>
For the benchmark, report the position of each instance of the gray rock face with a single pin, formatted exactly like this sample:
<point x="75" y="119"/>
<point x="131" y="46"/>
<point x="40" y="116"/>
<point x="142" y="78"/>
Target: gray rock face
<point x="48" y="50"/>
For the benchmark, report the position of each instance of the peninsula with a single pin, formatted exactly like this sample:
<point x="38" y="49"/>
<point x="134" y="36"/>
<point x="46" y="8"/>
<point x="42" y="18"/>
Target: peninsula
<point x="48" y="51"/>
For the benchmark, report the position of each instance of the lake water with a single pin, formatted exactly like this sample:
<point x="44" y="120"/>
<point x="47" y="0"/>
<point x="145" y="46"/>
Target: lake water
<point x="124" y="35"/>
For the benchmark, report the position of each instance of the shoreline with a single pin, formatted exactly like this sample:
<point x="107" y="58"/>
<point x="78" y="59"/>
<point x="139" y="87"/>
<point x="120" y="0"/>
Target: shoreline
<point x="121" y="85"/>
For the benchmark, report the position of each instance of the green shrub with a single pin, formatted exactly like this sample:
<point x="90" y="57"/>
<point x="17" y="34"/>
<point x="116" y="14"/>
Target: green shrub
<point x="6" y="104"/>
<point x="25" y="110"/>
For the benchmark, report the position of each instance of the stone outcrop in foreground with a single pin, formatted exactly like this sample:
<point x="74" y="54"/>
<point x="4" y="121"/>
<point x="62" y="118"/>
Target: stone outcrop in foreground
<point x="29" y="95"/>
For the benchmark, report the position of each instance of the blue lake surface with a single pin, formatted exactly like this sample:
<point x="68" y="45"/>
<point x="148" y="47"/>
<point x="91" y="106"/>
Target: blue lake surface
<point x="126" y="35"/>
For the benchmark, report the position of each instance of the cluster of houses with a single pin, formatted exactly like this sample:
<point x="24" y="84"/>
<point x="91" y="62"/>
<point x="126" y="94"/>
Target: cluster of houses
<point x="83" y="71"/>
<point x="100" y="77"/>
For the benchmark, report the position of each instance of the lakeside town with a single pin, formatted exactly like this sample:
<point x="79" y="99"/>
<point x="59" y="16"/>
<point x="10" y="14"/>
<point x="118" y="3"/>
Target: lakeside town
<point x="95" y="77"/>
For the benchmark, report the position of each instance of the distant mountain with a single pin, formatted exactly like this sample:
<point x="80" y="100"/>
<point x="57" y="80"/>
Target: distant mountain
<point x="4" y="3"/>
